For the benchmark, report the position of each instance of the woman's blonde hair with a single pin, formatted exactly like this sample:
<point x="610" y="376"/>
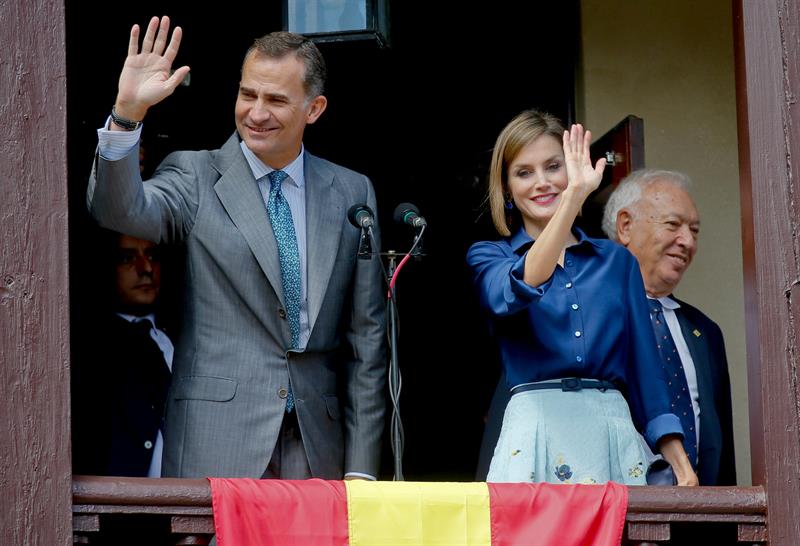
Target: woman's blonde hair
<point x="522" y="130"/>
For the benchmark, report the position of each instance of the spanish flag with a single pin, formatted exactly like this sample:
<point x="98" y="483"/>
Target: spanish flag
<point x="361" y="513"/>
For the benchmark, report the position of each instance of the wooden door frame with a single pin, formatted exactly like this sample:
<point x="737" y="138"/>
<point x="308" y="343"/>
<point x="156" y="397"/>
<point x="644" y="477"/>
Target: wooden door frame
<point x="35" y="505"/>
<point x="767" y="70"/>
<point x="34" y="296"/>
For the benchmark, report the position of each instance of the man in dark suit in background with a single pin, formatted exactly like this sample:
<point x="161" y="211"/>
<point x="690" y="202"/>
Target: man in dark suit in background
<point x="120" y="379"/>
<point x="651" y="213"/>
<point x="280" y="366"/>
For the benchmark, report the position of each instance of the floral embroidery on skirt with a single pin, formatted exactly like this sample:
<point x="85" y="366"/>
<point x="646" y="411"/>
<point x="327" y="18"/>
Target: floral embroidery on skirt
<point x="568" y="437"/>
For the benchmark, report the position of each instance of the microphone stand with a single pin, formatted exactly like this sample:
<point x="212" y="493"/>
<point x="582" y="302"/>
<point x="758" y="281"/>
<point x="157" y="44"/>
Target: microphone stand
<point x="365" y="246"/>
<point x="416" y="248"/>
<point x="395" y="378"/>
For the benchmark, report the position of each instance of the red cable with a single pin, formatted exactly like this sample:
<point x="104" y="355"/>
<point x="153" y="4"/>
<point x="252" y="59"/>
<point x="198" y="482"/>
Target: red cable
<point x="394" y="277"/>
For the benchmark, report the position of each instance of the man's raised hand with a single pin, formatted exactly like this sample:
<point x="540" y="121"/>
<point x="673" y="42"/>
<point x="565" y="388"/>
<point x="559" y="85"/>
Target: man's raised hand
<point x="147" y="76"/>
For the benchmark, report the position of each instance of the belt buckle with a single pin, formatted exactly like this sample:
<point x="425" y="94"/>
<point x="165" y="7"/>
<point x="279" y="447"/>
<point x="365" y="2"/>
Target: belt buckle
<point x="571" y="384"/>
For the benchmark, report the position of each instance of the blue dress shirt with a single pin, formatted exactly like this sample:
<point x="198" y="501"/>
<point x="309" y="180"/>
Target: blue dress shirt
<point x="589" y="320"/>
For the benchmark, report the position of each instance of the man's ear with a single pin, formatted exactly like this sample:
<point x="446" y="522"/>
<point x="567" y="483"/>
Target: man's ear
<point x="624" y="225"/>
<point x="317" y="106"/>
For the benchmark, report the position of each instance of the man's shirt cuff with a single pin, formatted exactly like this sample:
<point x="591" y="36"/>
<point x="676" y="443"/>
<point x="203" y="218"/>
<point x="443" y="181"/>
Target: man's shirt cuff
<point x="114" y="145"/>
<point x="360" y="475"/>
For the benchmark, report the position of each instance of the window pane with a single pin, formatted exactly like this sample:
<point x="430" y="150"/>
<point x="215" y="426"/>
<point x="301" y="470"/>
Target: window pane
<point x="311" y="16"/>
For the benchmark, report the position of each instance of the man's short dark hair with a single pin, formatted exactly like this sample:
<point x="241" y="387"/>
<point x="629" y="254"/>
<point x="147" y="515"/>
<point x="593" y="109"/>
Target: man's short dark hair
<point x="278" y="44"/>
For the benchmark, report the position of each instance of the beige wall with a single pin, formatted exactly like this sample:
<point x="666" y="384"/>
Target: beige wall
<point x="671" y="63"/>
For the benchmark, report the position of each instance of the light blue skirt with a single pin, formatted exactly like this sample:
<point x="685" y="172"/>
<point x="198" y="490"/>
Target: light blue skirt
<point x="582" y="436"/>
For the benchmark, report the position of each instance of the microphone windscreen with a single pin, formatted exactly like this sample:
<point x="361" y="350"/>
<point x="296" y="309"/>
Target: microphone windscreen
<point x="402" y="210"/>
<point x="356" y="210"/>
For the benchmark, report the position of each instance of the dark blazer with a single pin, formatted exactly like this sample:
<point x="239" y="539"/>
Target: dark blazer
<point x="716" y="463"/>
<point x="119" y="389"/>
<point x="233" y="361"/>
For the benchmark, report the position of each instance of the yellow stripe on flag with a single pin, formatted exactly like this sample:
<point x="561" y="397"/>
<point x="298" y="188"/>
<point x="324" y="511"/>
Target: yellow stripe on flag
<point x="418" y="513"/>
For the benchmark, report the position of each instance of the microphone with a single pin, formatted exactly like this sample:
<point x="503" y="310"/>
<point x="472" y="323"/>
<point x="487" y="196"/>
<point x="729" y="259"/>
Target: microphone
<point x="406" y="213"/>
<point x="361" y="216"/>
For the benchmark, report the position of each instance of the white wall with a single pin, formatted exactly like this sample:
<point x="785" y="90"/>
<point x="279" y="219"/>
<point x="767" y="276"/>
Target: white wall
<point x="671" y="63"/>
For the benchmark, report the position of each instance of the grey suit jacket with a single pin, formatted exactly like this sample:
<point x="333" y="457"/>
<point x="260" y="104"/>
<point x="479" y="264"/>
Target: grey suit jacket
<point x="224" y="409"/>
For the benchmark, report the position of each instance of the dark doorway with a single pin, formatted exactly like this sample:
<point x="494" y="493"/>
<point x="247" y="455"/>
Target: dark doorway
<point x="419" y="118"/>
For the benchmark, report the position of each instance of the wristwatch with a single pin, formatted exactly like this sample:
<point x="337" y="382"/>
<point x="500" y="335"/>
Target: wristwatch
<point x="127" y="124"/>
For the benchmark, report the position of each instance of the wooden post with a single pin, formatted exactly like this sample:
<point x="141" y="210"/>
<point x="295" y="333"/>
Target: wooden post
<point x="767" y="82"/>
<point x="35" y="504"/>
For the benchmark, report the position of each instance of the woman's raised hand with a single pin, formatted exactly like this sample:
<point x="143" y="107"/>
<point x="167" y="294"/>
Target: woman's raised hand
<point x="147" y="76"/>
<point x="583" y="178"/>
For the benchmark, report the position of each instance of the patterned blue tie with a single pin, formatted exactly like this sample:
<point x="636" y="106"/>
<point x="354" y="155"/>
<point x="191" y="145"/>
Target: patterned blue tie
<point x="280" y="216"/>
<point x="679" y="394"/>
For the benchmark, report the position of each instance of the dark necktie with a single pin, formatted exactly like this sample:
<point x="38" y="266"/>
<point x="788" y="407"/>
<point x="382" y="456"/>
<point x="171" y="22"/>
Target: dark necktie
<point x="154" y="370"/>
<point x="680" y="397"/>
<point x="280" y="216"/>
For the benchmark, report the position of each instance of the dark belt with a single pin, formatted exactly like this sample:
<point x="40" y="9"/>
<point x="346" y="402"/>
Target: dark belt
<point x="568" y="384"/>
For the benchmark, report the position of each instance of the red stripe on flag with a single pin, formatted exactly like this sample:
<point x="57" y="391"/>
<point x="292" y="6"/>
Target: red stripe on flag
<point x="559" y="515"/>
<point x="281" y="512"/>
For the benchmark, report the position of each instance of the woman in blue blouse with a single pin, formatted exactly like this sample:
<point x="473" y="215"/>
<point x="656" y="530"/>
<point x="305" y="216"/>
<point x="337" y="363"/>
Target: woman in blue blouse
<point x="571" y="318"/>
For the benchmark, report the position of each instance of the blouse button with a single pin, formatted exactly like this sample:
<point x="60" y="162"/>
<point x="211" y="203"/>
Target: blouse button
<point x="568" y="285"/>
<point x="577" y="333"/>
<point x="569" y="262"/>
<point x="575" y="306"/>
<point x="579" y="359"/>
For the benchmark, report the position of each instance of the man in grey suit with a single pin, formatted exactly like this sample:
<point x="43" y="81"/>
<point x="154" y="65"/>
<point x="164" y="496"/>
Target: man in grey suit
<point x="280" y="367"/>
<point x="652" y="214"/>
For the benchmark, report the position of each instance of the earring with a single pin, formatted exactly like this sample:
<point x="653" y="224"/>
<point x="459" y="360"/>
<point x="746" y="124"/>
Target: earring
<point x="509" y="204"/>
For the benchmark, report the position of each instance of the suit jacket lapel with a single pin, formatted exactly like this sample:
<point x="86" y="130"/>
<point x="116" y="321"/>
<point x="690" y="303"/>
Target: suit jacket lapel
<point x="698" y="348"/>
<point x="699" y="351"/>
<point x="324" y="214"/>
<point x="238" y="192"/>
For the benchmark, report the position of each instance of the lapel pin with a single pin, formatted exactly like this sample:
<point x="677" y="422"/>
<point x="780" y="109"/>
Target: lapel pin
<point x="697" y="333"/>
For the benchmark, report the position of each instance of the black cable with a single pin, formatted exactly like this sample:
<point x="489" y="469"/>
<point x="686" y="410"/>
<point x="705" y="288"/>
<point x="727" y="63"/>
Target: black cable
<point x="397" y="436"/>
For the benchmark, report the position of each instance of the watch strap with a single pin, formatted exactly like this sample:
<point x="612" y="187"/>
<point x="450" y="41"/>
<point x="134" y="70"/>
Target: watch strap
<point x="125" y="123"/>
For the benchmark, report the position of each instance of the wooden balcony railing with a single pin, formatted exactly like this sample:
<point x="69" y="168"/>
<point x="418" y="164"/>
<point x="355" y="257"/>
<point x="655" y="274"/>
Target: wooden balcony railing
<point x="166" y="511"/>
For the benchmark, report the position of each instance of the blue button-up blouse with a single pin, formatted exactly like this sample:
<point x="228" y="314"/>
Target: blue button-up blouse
<point x="589" y="320"/>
